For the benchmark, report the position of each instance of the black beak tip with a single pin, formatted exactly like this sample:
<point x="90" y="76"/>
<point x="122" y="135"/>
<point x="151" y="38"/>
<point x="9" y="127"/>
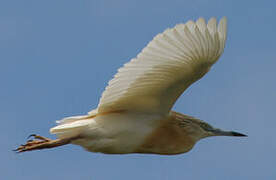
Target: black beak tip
<point x="238" y="134"/>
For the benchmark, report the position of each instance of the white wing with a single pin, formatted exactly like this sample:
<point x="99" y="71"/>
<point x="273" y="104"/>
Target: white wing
<point x="167" y="66"/>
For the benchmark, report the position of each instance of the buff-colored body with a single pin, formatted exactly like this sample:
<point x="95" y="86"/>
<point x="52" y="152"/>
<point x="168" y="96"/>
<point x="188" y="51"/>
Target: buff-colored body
<point x="122" y="133"/>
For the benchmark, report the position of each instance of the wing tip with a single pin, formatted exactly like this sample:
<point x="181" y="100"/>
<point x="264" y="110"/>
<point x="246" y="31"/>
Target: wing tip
<point x="223" y="24"/>
<point x="212" y="24"/>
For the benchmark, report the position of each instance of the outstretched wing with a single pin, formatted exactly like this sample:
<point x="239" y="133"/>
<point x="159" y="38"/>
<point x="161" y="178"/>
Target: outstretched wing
<point x="167" y="66"/>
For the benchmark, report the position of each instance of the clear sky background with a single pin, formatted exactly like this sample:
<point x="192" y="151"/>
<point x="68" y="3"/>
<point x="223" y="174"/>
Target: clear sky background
<point x="57" y="56"/>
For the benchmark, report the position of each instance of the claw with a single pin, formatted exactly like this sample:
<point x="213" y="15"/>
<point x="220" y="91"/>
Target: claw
<point x="35" y="136"/>
<point x="16" y="150"/>
<point x="19" y="149"/>
<point x="32" y="135"/>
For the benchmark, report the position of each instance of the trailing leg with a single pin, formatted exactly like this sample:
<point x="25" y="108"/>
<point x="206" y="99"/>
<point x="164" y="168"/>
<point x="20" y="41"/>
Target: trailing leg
<point x="40" y="142"/>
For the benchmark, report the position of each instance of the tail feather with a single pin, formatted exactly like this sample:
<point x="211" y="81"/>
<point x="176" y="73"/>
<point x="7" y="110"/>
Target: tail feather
<point x="71" y="126"/>
<point x="71" y="119"/>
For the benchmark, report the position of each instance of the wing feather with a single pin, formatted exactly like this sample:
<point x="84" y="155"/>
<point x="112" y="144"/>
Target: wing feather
<point x="167" y="66"/>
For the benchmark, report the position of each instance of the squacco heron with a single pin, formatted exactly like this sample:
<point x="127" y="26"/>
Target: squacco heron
<point x="134" y="113"/>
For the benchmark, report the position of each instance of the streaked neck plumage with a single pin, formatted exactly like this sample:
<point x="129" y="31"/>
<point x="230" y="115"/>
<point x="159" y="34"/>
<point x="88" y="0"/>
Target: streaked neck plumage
<point x="177" y="134"/>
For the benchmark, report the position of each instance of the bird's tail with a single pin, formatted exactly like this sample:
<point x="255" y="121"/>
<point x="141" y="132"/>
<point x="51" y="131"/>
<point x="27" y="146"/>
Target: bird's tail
<point x="71" y="126"/>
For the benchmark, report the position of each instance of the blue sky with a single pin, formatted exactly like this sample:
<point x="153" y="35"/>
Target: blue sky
<point x="57" y="56"/>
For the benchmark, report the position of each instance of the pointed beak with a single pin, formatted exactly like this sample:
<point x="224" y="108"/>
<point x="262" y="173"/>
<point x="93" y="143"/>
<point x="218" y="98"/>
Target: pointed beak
<point x="219" y="132"/>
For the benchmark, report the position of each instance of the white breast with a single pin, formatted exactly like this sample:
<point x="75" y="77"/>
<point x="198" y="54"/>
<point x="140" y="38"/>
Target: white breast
<point x="118" y="133"/>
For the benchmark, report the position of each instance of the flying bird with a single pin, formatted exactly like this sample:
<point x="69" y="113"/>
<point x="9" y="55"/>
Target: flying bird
<point x="134" y="112"/>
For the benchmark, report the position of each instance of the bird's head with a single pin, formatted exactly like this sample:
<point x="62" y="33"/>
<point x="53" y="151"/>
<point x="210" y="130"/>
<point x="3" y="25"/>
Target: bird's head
<point x="199" y="129"/>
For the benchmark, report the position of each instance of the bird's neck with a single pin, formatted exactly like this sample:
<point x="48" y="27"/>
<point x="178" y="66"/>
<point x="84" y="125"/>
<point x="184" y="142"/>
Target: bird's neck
<point x="168" y="138"/>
